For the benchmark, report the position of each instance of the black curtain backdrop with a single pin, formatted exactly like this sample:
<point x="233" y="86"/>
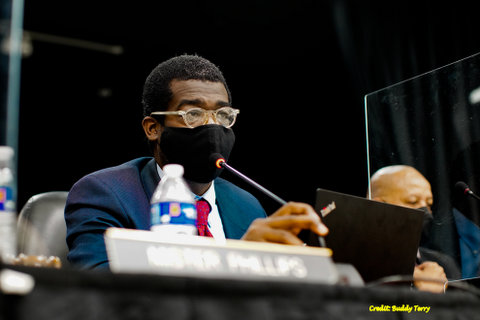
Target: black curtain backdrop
<point x="298" y="70"/>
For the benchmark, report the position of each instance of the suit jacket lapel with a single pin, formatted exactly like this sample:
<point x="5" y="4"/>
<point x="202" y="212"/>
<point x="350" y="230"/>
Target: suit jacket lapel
<point x="150" y="178"/>
<point x="233" y="223"/>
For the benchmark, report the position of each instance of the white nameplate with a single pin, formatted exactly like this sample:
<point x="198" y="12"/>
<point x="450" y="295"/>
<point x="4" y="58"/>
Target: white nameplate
<point x="135" y="251"/>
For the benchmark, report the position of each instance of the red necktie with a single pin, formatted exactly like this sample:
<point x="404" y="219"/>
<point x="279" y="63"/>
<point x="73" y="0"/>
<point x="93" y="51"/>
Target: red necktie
<point x="203" y="209"/>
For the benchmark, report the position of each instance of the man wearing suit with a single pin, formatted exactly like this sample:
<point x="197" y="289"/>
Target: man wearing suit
<point x="405" y="186"/>
<point x="187" y="118"/>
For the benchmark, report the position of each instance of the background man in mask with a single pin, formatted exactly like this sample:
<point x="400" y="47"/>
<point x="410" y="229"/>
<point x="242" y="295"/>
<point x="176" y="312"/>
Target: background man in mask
<point x="405" y="186"/>
<point x="187" y="117"/>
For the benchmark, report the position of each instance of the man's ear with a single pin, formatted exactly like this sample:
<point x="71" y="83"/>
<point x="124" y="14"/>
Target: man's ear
<point x="152" y="128"/>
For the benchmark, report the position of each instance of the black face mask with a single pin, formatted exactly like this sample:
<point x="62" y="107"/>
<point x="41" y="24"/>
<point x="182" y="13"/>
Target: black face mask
<point x="427" y="225"/>
<point x="193" y="148"/>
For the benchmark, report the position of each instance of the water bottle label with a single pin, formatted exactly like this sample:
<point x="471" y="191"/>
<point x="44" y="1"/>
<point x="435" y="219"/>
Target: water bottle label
<point x="6" y="199"/>
<point x="173" y="213"/>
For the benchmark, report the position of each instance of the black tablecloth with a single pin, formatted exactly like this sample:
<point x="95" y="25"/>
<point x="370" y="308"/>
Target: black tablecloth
<point x="62" y="294"/>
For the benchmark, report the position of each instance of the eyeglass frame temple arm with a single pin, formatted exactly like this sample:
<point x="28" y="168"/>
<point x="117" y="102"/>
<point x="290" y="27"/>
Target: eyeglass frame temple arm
<point x="180" y="112"/>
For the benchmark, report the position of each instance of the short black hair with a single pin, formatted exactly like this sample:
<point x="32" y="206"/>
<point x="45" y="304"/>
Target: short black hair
<point x="156" y="91"/>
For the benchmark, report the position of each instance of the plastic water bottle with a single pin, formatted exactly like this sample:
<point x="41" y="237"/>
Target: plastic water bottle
<point x="173" y="205"/>
<point x="8" y="216"/>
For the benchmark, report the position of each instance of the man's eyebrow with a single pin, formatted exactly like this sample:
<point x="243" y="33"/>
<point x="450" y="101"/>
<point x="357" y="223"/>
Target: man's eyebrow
<point x="223" y="103"/>
<point x="198" y="102"/>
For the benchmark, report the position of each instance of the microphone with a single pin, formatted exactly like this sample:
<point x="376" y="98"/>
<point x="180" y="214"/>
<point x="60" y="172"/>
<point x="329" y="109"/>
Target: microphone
<point x="465" y="189"/>
<point x="221" y="163"/>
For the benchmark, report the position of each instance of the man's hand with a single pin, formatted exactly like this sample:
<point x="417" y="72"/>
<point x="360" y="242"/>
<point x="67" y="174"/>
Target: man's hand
<point x="285" y="224"/>
<point x="430" y="270"/>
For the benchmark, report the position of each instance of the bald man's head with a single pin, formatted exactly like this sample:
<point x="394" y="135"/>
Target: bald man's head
<point x="402" y="185"/>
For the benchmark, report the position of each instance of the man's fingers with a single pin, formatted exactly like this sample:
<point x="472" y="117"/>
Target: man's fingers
<point x="267" y="234"/>
<point x="296" y="223"/>
<point x="296" y="215"/>
<point x="295" y="208"/>
<point x="284" y="225"/>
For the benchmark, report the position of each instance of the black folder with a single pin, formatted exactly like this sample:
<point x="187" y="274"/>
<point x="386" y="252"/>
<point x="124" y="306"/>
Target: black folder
<point x="377" y="238"/>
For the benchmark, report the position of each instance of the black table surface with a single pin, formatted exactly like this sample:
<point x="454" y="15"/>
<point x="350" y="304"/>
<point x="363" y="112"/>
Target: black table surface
<point x="72" y="294"/>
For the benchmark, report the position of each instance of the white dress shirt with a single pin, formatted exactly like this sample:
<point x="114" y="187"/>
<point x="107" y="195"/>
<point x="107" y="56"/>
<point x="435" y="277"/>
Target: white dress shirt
<point x="214" y="221"/>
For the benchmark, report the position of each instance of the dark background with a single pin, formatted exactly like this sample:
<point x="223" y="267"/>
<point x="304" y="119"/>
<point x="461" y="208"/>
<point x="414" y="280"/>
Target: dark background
<point x="298" y="70"/>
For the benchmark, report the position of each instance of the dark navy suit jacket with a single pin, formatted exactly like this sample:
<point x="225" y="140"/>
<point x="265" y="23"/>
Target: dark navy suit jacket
<point x="120" y="197"/>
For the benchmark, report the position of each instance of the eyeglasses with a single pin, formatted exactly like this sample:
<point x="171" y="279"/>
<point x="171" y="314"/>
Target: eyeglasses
<point x="195" y="117"/>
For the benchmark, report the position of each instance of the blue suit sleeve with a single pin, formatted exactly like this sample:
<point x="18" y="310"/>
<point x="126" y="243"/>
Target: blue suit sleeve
<point x="91" y="208"/>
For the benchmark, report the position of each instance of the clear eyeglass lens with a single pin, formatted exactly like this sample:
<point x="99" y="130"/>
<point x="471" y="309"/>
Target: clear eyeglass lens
<point x="195" y="117"/>
<point x="223" y="116"/>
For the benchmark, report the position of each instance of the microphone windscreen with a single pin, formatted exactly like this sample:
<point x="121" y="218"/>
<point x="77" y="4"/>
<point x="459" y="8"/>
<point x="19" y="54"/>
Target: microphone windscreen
<point x="461" y="186"/>
<point x="217" y="159"/>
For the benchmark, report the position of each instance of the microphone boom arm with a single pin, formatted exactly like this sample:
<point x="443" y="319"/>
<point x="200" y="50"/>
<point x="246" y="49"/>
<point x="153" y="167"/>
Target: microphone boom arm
<point x="220" y="163"/>
<point x="223" y="164"/>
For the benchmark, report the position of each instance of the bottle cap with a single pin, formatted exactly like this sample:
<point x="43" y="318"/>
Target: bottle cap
<point x="173" y="170"/>
<point x="6" y="153"/>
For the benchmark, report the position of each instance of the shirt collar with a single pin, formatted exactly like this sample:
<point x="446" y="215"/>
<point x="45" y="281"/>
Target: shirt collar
<point x="209" y="195"/>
